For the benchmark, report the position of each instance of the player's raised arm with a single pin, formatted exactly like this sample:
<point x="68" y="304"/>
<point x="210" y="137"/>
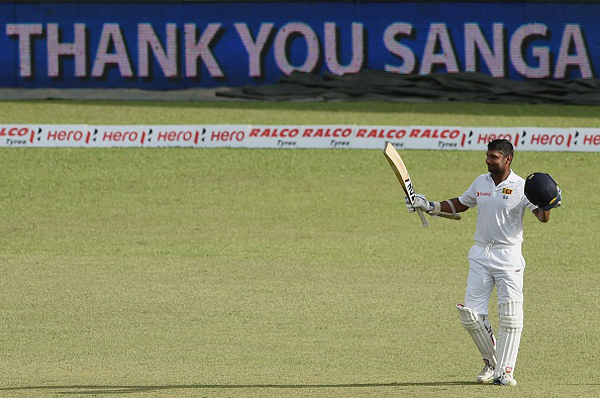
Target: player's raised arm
<point x="447" y="209"/>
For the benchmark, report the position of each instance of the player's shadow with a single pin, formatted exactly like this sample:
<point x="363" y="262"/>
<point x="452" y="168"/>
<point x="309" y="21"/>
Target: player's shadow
<point x="114" y="389"/>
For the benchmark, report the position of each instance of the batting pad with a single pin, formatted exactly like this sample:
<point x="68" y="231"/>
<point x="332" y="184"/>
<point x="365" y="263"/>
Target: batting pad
<point x="480" y="331"/>
<point x="509" y="336"/>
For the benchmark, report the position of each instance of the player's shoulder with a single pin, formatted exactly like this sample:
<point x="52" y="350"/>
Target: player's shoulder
<point x="483" y="178"/>
<point x="517" y="183"/>
<point x="515" y="179"/>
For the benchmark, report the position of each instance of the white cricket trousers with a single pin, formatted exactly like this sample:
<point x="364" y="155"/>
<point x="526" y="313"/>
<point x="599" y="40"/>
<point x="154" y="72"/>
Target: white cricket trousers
<point x="494" y="265"/>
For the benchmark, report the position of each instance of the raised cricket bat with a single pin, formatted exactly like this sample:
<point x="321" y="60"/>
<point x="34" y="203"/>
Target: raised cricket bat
<point x="393" y="157"/>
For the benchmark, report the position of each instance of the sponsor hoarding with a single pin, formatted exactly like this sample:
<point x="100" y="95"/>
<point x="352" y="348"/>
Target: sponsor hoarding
<point x="298" y="136"/>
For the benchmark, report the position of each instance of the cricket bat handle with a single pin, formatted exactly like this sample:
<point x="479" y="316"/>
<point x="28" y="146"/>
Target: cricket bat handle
<point x="423" y="220"/>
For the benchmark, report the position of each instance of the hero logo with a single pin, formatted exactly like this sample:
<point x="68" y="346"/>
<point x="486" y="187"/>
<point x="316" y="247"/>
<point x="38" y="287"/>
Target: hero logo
<point x="591" y="139"/>
<point x="174" y="136"/>
<point x="550" y="139"/>
<point x="115" y="136"/>
<point x="63" y="135"/>
<point x="224" y="136"/>
<point x="485" y="138"/>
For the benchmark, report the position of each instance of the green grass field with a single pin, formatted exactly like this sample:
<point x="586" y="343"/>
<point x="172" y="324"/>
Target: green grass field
<point x="270" y="273"/>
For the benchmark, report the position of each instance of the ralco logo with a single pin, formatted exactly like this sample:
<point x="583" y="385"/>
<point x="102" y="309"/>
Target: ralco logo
<point x="484" y="193"/>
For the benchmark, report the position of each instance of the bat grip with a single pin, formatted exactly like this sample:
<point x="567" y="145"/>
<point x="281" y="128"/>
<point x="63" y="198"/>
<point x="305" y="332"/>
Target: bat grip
<point x="423" y="220"/>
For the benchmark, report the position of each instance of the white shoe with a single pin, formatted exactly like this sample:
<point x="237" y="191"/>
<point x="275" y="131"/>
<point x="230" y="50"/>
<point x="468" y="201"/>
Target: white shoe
<point x="486" y="375"/>
<point x="505" y="381"/>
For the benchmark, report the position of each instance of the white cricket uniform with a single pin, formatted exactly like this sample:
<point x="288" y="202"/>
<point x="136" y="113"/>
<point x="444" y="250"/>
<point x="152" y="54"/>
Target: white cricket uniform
<point x="496" y="258"/>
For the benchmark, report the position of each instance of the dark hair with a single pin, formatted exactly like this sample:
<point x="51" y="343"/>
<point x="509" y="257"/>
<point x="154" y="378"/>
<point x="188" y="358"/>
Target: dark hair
<point x="501" y="145"/>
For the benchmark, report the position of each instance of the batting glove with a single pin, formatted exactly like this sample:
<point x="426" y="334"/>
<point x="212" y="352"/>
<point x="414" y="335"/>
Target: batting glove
<point x="420" y="203"/>
<point x="559" y="196"/>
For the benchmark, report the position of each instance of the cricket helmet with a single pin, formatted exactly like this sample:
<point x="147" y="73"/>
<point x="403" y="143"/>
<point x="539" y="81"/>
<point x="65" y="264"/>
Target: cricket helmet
<point x="542" y="191"/>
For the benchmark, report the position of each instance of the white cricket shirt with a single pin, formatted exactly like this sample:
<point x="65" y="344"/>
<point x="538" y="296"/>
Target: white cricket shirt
<point x="500" y="209"/>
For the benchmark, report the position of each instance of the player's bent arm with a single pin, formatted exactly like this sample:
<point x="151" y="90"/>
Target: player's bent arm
<point x="542" y="215"/>
<point x="445" y="206"/>
<point x="448" y="208"/>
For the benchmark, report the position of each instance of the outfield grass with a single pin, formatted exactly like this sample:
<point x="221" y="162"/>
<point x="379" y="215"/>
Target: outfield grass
<point x="269" y="273"/>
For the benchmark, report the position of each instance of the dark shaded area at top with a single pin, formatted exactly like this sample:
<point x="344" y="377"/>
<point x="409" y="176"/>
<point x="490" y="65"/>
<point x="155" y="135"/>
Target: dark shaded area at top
<point x="372" y="85"/>
<point x="295" y="1"/>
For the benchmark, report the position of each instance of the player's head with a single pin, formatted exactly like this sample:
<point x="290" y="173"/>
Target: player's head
<point x="499" y="156"/>
<point x="501" y="145"/>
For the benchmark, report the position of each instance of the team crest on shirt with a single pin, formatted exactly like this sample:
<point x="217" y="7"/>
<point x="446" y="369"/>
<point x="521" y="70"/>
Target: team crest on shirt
<point x="506" y="192"/>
